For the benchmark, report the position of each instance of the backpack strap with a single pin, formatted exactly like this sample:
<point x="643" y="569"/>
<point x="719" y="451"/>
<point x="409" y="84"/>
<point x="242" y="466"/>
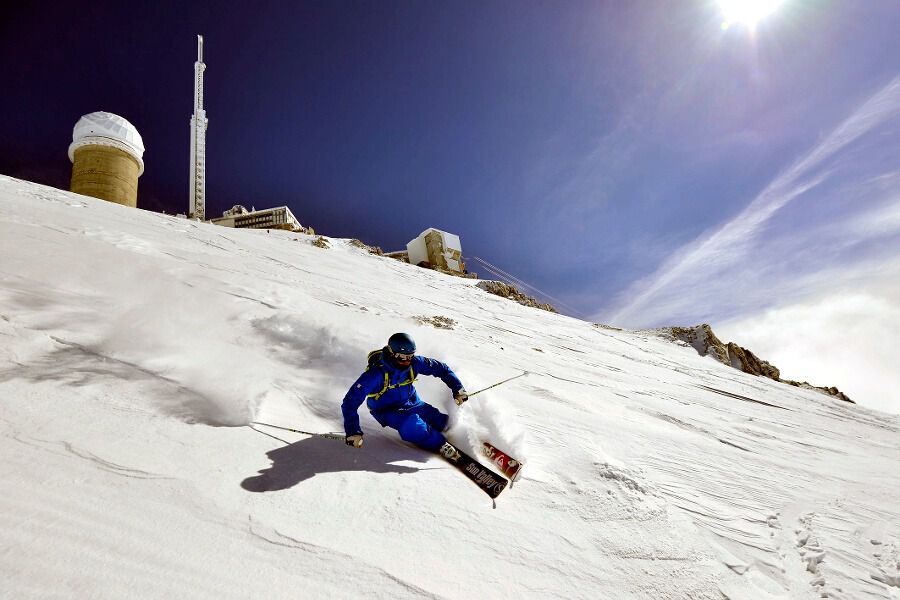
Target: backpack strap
<point x="376" y="359"/>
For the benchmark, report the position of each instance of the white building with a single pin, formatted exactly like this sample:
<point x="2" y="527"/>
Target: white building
<point x="438" y="249"/>
<point x="279" y="217"/>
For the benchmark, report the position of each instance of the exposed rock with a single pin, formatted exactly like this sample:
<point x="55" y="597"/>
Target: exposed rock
<point x="401" y="255"/>
<point x="437" y="322"/>
<point x="370" y="249"/>
<point x="427" y="265"/>
<point x="507" y="291"/>
<point x="743" y="359"/>
<point x="321" y="242"/>
<point x="831" y="391"/>
<point x="299" y="229"/>
<point x="705" y="342"/>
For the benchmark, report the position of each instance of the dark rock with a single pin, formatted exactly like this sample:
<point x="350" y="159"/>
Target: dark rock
<point x="370" y="249"/>
<point x="704" y="341"/>
<point x="438" y="322"/>
<point x="504" y="290"/>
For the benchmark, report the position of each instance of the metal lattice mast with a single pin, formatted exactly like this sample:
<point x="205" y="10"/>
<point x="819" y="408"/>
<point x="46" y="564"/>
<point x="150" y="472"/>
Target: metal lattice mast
<point x="199" y="123"/>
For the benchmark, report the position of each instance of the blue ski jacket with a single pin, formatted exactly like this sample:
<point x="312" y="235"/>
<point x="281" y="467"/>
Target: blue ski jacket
<point x="385" y="387"/>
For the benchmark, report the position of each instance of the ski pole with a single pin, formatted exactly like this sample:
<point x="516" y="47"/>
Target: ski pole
<point x="499" y="383"/>
<point x="327" y="436"/>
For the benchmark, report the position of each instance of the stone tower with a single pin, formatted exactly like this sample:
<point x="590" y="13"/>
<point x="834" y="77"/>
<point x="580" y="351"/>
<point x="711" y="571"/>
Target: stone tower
<point x="107" y="158"/>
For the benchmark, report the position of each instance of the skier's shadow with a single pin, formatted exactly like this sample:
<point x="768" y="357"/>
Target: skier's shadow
<point x="303" y="459"/>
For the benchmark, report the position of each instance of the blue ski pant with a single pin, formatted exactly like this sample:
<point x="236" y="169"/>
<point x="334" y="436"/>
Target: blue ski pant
<point x="421" y="425"/>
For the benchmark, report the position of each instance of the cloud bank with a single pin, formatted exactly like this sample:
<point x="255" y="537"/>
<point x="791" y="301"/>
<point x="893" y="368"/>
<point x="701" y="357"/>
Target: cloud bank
<point x="845" y="340"/>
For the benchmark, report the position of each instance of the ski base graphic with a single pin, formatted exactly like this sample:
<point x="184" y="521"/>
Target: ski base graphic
<point x="490" y="483"/>
<point x="509" y="466"/>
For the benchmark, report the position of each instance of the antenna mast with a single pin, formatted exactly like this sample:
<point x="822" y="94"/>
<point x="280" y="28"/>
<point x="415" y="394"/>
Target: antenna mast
<point x="199" y="123"/>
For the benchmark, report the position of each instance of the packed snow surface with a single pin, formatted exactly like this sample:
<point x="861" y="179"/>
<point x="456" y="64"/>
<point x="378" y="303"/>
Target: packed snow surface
<point x="136" y="348"/>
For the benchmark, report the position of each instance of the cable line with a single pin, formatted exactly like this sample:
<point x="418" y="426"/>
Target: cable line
<point x="511" y="279"/>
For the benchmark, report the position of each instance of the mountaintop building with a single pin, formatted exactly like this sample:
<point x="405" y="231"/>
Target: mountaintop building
<point x="438" y="250"/>
<point x="279" y="217"/>
<point x="107" y="155"/>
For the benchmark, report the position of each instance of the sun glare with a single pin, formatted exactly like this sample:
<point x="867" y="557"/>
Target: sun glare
<point x="747" y="12"/>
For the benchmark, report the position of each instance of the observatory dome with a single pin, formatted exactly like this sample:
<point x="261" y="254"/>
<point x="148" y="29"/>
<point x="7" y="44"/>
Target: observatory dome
<point x="107" y="129"/>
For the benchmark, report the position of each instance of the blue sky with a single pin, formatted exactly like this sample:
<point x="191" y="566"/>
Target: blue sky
<point x="635" y="160"/>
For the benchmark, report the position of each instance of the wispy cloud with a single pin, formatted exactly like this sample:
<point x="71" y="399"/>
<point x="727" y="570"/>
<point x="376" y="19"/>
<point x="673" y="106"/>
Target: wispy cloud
<point x="884" y="221"/>
<point x="707" y="271"/>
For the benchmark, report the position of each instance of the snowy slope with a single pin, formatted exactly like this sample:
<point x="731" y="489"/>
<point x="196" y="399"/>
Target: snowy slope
<point x="135" y="348"/>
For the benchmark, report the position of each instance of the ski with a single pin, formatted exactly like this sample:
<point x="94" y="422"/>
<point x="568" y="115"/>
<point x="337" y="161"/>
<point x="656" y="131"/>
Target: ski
<point x="491" y="483"/>
<point x="509" y="466"/>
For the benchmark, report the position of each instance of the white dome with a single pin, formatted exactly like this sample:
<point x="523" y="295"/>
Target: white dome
<point x="107" y="129"/>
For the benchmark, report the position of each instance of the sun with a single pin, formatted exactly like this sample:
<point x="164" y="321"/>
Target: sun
<point x="746" y="12"/>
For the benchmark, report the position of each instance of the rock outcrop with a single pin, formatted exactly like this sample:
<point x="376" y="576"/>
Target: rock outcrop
<point x="704" y="341"/>
<point x="831" y="391"/>
<point x="437" y="321"/>
<point x="507" y="291"/>
<point x="377" y="251"/>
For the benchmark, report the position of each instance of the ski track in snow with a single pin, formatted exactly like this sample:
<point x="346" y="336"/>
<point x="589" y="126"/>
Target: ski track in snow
<point x="135" y="347"/>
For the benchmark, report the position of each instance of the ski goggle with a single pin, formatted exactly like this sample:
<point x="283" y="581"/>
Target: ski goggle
<point x="401" y="357"/>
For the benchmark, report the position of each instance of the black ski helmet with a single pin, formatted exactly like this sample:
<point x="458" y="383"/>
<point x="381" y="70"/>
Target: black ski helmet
<point x="401" y="343"/>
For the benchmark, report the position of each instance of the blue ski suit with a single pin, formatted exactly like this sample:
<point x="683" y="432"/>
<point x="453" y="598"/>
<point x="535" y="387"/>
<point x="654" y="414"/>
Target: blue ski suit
<point x="391" y="397"/>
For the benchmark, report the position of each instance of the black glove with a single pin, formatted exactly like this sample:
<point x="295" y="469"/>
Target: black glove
<point x="355" y="440"/>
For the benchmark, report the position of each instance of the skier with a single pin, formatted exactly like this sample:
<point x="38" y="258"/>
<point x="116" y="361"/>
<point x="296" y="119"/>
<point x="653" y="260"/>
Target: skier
<point x="387" y="389"/>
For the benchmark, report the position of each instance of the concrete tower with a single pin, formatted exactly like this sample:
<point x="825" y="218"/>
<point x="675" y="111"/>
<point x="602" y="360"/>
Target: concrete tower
<point x="107" y="158"/>
<point x="199" y="122"/>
